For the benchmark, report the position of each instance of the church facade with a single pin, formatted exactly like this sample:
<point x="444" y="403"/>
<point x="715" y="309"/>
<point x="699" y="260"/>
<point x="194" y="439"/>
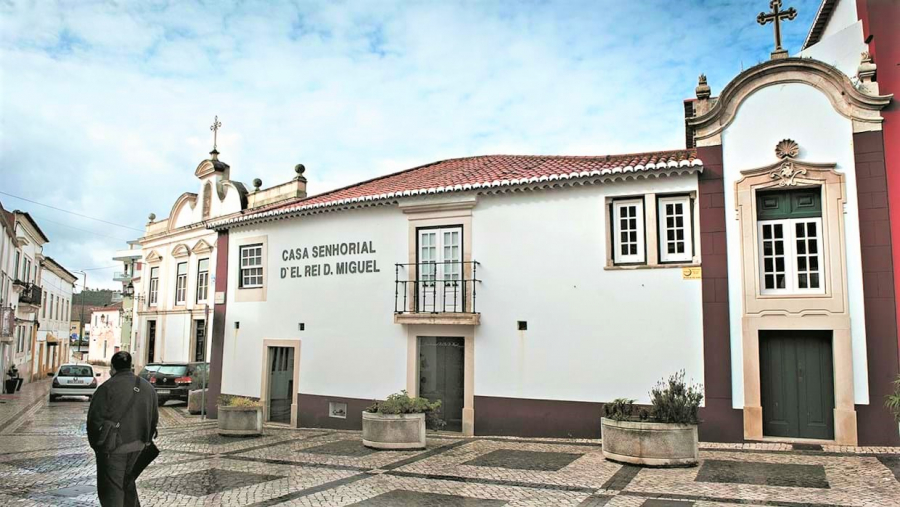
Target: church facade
<point x="525" y="292"/>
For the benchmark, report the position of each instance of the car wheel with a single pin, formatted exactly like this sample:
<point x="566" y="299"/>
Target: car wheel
<point x="53" y="397"/>
<point x="162" y="401"/>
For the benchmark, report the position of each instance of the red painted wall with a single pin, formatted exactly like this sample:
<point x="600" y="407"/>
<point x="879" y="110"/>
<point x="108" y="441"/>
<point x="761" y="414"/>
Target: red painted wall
<point x="722" y="423"/>
<point x="218" y="334"/>
<point x="881" y="22"/>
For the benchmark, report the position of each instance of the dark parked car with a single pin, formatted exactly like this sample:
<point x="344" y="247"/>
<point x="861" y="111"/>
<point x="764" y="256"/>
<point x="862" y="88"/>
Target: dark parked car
<point x="174" y="381"/>
<point x="148" y="370"/>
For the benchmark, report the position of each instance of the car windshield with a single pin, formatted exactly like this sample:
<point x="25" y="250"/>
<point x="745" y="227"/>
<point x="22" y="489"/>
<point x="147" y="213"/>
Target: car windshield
<point x="172" y="370"/>
<point x="76" y="371"/>
<point x="150" y="368"/>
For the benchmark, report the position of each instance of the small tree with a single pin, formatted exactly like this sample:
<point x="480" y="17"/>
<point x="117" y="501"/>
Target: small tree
<point x="892" y="401"/>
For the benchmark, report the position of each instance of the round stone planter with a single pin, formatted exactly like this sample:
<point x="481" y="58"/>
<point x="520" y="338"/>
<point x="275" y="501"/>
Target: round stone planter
<point x="240" y="421"/>
<point x="650" y="443"/>
<point x="393" y="431"/>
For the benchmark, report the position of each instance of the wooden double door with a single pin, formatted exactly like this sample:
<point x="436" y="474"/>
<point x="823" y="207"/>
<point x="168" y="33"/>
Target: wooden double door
<point x="797" y="384"/>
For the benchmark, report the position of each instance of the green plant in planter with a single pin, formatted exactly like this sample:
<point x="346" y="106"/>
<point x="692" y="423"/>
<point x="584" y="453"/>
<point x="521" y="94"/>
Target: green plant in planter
<point x="402" y="403"/>
<point x="892" y="401"/>
<point x="230" y="400"/>
<point x="620" y="409"/>
<point x="674" y="401"/>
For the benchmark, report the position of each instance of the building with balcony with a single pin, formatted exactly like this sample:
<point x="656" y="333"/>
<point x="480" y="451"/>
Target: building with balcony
<point x="27" y="272"/>
<point x="52" y="345"/>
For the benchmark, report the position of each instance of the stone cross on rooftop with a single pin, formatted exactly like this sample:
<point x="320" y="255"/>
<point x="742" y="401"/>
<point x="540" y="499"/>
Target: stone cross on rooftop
<point x="775" y="17"/>
<point x="215" y="130"/>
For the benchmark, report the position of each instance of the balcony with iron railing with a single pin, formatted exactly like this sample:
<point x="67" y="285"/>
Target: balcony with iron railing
<point x="30" y="295"/>
<point x="443" y="292"/>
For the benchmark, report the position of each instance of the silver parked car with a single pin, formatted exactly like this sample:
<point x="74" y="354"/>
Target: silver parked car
<point x="74" y="380"/>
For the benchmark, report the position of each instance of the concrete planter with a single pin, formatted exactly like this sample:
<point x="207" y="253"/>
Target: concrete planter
<point x="393" y="431"/>
<point x="650" y="443"/>
<point x="240" y="421"/>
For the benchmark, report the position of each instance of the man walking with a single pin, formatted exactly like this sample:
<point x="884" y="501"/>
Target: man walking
<point x="124" y="408"/>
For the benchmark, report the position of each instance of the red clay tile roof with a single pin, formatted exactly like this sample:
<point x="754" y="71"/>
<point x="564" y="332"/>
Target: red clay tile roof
<point x="480" y="172"/>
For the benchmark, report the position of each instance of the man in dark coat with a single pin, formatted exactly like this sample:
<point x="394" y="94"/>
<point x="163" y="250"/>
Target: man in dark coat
<point x="115" y="484"/>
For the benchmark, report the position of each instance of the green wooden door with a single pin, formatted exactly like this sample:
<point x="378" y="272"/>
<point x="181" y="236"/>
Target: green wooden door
<point x="797" y="384"/>
<point x="441" y="376"/>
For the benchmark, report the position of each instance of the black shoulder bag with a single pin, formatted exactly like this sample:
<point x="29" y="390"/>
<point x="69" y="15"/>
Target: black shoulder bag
<point x="109" y="438"/>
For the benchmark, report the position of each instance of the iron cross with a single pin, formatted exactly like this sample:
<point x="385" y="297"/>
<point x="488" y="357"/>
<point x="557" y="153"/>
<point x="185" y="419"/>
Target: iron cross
<point x="215" y="129"/>
<point x="775" y="17"/>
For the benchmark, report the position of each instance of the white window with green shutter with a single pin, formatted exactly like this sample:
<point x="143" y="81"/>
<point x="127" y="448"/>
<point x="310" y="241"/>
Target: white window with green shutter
<point x="789" y="228"/>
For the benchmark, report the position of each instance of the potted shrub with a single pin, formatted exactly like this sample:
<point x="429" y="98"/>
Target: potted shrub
<point x="397" y="422"/>
<point x="240" y="416"/>
<point x="664" y="436"/>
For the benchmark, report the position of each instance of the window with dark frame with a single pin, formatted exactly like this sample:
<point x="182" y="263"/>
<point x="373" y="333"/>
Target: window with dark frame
<point x="251" y="271"/>
<point x="789" y="226"/>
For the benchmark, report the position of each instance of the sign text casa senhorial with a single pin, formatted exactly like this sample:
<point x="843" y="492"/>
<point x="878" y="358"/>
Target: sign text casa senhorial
<point x="328" y="268"/>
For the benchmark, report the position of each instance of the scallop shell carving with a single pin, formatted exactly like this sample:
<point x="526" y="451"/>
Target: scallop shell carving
<point x="787" y="148"/>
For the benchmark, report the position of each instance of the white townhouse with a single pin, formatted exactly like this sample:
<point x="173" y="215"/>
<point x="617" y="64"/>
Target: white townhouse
<point x="9" y="298"/>
<point x="524" y="292"/>
<point x="52" y="345"/>
<point x="27" y="259"/>
<point x="105" y="333"/>
<point x="173" y="303"/>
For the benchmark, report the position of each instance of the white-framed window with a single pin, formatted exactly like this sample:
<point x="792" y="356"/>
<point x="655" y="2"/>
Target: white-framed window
<point x="675" y="231"/>
<point x="180" y="283"/>
<point x="789" y="230"/>
<point x="154" y="286"/>
<point x="251" y="270"/>
<point x="628" y="231"/>
<point x="202" y="280"/>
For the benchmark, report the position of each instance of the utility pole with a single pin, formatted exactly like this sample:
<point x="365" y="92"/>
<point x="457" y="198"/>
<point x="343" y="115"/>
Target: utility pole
<point x="81" y="323"/>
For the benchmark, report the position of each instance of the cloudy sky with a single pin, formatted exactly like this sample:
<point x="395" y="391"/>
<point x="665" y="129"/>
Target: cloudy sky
<point x="105" y="107"/>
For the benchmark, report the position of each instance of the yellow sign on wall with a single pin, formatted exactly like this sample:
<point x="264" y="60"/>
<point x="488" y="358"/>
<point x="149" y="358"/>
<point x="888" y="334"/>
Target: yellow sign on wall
<point x="692" y="273"/>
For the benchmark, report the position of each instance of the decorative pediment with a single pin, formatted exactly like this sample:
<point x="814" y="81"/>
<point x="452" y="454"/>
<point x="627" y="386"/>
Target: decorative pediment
<point x="210" y="166"/>
<point x="153" y="257"/>
<point x="788" y="171"/>
<point x="181" y="250"/>
<point x="202" y="247"/>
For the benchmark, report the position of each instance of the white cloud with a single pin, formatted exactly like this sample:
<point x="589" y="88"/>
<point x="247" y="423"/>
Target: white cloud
<point x="105" y="107"/>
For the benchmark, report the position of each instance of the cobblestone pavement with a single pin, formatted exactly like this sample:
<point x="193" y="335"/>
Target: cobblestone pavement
<point x="45" y="460"/>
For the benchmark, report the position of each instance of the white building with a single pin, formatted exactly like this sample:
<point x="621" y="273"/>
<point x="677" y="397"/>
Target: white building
<point x="52" y="346"/>
<point x="130" y="279"/>
<point x="9" y="298"/>
<point x="26" y="282"/>
<point x="105" y="333"/>
<point x="524" y="292"/>
<point x="178" y="268"/>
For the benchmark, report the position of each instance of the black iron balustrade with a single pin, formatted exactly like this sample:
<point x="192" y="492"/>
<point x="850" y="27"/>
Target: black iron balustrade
<point x="31" y="295"/>
<point x="417" y="288"/>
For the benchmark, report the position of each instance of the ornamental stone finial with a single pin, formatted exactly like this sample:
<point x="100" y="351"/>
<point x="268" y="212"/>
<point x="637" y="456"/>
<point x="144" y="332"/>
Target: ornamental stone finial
<point x="300" y="169"/>
<point x="152" y="217"/>
<point x="703" y="91"/>
<point x="256" y="184"/>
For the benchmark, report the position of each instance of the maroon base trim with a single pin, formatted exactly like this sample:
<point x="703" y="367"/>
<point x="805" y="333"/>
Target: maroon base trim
<point x="536" y="418"/>
<point x="312" y="412"/>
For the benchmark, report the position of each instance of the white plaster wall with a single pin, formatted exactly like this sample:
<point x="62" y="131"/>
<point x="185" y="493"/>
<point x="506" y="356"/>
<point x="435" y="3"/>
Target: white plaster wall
<point x="593" y="334"/>
<point x="841" y="49"/>
<point x="843" y="15"/>
<point x="804" y="114"/>
<point x="54" y="286"/>
<point x="351" y="346"/>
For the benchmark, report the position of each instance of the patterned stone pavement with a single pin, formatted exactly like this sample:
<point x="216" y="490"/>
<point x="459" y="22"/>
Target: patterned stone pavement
<point x="45" y="460"/>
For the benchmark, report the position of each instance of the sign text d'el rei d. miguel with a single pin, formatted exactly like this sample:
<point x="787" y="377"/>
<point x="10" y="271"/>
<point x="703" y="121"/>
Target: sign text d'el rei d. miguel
<point x="337" y="267"/>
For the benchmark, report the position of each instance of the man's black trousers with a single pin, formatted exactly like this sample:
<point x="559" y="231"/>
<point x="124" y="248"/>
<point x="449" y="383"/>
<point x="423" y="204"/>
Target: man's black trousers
<point x="115" y="486"/>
